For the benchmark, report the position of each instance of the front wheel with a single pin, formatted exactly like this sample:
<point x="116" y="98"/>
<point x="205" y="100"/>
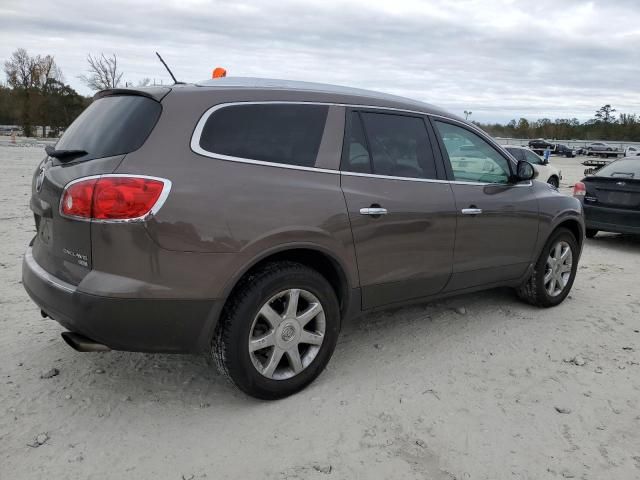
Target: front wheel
<point x="554" y="182"/>
<point x="554" y="272"/>
<point x="278" y="332"/>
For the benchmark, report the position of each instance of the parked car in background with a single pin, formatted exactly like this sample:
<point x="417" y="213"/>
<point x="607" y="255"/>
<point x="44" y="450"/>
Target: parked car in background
<point x="600" y="148"/>
<point x="632" y="151"/>
<point x="544" y="170"/>
<point x="565" y="151"/>
<point x="611" y="197"/>
<point x="540" y="145"/>
<point x="248" y="219"/>
<point x="580" y="150"/>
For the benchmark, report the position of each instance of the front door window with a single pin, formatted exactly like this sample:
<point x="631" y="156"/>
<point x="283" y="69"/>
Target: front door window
<point x="472" y="158"/>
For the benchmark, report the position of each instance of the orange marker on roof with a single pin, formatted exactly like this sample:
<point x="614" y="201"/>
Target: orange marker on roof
<point x="218" y="72"/>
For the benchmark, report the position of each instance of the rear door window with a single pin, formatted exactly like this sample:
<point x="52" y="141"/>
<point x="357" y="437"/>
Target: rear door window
<point x="356" y="155"/>
<point x="280" y="133"/>
<point x="389" y="144"/>
<point x="112" y="125"/>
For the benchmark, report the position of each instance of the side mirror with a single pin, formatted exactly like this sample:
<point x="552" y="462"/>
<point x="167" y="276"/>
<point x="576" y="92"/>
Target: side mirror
<point x="525" y="171"/>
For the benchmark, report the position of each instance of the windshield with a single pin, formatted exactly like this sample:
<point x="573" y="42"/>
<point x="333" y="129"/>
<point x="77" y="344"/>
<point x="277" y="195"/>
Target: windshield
<point x="112" y="125"/>
<point x="626" y="167"/>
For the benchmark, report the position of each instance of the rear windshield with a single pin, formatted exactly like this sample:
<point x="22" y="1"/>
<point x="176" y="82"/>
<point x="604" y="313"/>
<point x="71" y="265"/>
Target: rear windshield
<point x="111" y="126"/>
<point x="626" y="168"/>
<point x="279" y="133"/>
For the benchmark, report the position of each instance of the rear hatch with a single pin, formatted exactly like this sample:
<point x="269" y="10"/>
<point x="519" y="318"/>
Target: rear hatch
<point x="116" y="123"/>
<point x="616" y="185"/>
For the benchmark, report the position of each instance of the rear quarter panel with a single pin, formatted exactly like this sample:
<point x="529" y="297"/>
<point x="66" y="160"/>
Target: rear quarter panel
<point x="236" y="211"/>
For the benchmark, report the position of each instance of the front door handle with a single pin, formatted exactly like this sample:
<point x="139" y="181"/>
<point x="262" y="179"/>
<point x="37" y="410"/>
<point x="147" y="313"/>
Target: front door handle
<point x="471" y="211"/>
<point x="373" y="211"/>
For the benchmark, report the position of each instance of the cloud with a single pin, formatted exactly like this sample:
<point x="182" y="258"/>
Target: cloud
<point x="500" y="59"/>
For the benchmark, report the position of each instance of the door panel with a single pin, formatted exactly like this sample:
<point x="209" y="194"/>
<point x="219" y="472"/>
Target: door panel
<point x="408" y="252"/>
<point x="497" y="225"/>
<point x="404" y="251"/>
<point x="496" y="245"/>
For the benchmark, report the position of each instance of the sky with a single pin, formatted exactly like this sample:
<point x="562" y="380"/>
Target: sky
<point x="497" y="59"/>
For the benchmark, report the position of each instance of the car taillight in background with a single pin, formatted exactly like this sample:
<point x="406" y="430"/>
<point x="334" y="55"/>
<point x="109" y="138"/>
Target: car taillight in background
<point x="579" y="190"/>
<point x="113" y="197"/>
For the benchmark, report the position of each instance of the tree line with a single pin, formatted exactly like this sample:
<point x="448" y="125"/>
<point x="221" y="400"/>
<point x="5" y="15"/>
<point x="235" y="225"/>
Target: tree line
<point x="605" y="125"/>
<point x="36" y="95"/>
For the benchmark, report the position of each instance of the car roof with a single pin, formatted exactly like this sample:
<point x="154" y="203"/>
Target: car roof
<point x="337" y="92"/>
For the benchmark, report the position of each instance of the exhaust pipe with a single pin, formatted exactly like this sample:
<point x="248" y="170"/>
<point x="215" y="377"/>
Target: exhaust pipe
<point x="83" y="344"/>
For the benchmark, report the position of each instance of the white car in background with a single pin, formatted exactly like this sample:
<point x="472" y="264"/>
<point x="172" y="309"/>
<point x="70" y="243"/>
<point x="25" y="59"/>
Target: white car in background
<point x="632" y="151"/>
<point x="545" y="171"/>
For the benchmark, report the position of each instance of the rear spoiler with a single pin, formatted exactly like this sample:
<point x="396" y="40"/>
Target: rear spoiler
<point x="155" y="93"/>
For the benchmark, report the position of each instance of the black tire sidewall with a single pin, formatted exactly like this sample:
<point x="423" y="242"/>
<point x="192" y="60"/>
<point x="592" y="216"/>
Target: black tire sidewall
<point x="544" y="298"/>
<point x="238" y="361"/>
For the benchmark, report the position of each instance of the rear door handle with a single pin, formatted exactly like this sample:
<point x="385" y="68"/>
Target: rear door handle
<point x="374" y="211"/>
<point x="471" y="211"/>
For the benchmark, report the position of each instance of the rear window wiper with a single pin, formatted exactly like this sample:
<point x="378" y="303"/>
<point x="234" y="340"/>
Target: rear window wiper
<point x="63" y="155"/>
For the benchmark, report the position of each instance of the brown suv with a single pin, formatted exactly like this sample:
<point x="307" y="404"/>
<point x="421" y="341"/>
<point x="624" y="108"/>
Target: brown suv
<point x="249" y="218"/>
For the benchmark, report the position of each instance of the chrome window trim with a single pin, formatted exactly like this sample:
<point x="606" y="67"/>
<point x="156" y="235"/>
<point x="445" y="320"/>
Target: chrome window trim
<point x="197" y="133"/>
<point x="166" y="188"/>
<point x="432" y="180"/>
<point x="42" y="273"/>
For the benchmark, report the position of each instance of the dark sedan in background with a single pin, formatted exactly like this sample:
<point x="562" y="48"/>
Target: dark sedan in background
<point x="565" y="151"/>
<point x="611" y="198"/>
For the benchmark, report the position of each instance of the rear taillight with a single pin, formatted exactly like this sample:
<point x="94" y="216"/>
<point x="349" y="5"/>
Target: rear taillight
<point x="113" y="197"/>
<point x="579" y="190"/>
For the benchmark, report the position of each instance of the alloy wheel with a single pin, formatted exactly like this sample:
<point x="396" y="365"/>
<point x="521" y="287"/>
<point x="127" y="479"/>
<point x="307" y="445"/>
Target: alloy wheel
<point x="558" y="269"/>
<point x="286" y="334"/>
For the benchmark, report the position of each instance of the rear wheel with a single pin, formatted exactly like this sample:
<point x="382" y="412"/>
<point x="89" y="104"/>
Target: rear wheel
<point x="278" y="331"/>
<point x="554" y="272"/>
<point x="590" y="233"/>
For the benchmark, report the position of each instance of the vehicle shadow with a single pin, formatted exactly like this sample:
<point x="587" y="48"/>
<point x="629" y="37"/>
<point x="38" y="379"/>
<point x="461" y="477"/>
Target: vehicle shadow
<point x="619" y="241"/>
<point x="192" y="382"/>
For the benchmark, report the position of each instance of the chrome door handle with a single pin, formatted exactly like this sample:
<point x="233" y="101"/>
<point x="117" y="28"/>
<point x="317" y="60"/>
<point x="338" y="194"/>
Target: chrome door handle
<point x="373" y="211"/>
<point x="471" y="211"/>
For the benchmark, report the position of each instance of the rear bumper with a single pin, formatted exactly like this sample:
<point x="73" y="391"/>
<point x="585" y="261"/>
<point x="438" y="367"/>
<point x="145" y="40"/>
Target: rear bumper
<point x="131" y="324"/>
<point x="612" y="219"/>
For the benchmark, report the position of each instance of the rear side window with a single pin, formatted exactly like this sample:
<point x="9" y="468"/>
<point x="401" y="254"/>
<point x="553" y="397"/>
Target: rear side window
<point x="393" y="145"/>
<point x="278" y="133"/>
<point x="112" y="126"/>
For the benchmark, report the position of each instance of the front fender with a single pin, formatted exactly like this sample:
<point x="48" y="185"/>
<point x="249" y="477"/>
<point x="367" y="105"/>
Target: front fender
<point x="556" y="210"/>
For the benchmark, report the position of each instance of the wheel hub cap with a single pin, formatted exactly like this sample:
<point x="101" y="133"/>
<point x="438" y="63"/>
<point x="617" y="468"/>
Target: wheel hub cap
<point x="288" y="332"/>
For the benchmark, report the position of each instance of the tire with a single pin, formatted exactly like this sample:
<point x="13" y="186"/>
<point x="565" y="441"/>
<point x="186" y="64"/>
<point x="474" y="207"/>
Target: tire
<point x="242" y="317"/>
<point x="553" y="181"/>
<point x="534" y="291"/>
<point x="591" y="232"/>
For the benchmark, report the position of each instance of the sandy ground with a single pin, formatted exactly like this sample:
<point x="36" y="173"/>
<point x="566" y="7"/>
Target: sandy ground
<point x="427" y="392"/>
